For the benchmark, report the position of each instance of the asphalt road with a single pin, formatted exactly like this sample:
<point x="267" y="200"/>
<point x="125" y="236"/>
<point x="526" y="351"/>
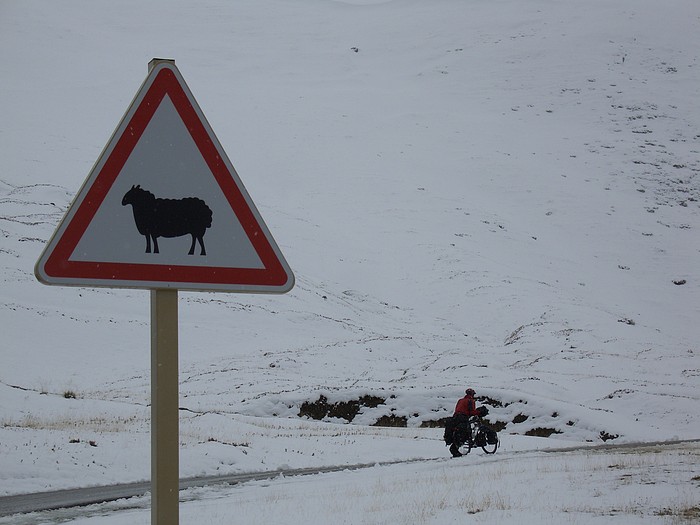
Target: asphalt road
<point x="60" y="499"/>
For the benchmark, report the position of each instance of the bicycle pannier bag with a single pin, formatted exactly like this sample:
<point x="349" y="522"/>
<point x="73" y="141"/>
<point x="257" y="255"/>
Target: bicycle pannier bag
<point x="491" y="437"/>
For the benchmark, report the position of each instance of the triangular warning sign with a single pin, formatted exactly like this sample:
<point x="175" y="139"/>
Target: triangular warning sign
<point x="163" y="207"/>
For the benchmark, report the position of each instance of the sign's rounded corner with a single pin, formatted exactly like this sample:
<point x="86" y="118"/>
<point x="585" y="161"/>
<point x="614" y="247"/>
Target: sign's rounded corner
<point x="39" y="272"/>
<point x="289" y="285"/>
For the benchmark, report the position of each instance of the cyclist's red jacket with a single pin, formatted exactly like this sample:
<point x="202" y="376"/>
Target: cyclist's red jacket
<point x="466" y="406"/>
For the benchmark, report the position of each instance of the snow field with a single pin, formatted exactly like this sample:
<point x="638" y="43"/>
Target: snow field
<point x="655" y="485"/>
<point x="496" y="194"/>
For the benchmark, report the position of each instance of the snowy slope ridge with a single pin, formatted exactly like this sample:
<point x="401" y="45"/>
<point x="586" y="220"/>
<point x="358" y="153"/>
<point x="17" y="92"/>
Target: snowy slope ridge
<point x="503" y="195"/>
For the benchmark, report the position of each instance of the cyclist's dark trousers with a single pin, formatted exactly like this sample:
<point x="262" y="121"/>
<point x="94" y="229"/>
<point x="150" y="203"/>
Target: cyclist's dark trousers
<point x="463" y="430"/>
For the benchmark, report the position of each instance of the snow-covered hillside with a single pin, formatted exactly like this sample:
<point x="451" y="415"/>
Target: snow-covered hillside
<point x="496" y="194"/>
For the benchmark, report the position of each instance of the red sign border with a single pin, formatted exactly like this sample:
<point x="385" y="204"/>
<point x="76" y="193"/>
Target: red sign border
<point x="275" y="276"/>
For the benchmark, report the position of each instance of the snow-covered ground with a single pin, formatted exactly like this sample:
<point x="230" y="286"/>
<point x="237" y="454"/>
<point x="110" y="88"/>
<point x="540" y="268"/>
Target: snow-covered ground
<point x="633" y="486"/>
<point x="497" y="194"/>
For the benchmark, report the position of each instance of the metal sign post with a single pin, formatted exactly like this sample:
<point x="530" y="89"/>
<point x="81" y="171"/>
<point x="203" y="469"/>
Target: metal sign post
<point x="165" y="441"/>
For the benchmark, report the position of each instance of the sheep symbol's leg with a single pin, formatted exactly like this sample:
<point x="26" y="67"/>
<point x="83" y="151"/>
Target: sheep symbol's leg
<point x="148" y="243"/>
<point x="155" y="244"/>
<point x="196" y="238"/>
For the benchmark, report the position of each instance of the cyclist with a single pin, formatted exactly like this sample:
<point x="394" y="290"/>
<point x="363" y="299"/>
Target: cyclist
<point x="466" y="408"/>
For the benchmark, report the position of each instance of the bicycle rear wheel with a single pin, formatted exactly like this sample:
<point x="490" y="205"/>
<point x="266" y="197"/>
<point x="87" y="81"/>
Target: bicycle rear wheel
<point x="465" y="448"/>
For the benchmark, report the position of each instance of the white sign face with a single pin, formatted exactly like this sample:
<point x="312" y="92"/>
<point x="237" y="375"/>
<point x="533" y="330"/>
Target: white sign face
<point x="164" y="208"/>
<point x="166" y="162"/>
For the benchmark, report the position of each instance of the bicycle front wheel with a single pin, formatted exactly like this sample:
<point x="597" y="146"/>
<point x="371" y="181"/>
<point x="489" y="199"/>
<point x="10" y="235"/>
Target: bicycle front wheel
<point x="491" y="448"/>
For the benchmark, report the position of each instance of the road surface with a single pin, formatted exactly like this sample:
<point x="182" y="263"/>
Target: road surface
<point x="59" y="499"/>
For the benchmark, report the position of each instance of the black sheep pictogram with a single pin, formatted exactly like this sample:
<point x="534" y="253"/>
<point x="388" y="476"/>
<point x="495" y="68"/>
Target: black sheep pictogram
<point x="155" y="217"/>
